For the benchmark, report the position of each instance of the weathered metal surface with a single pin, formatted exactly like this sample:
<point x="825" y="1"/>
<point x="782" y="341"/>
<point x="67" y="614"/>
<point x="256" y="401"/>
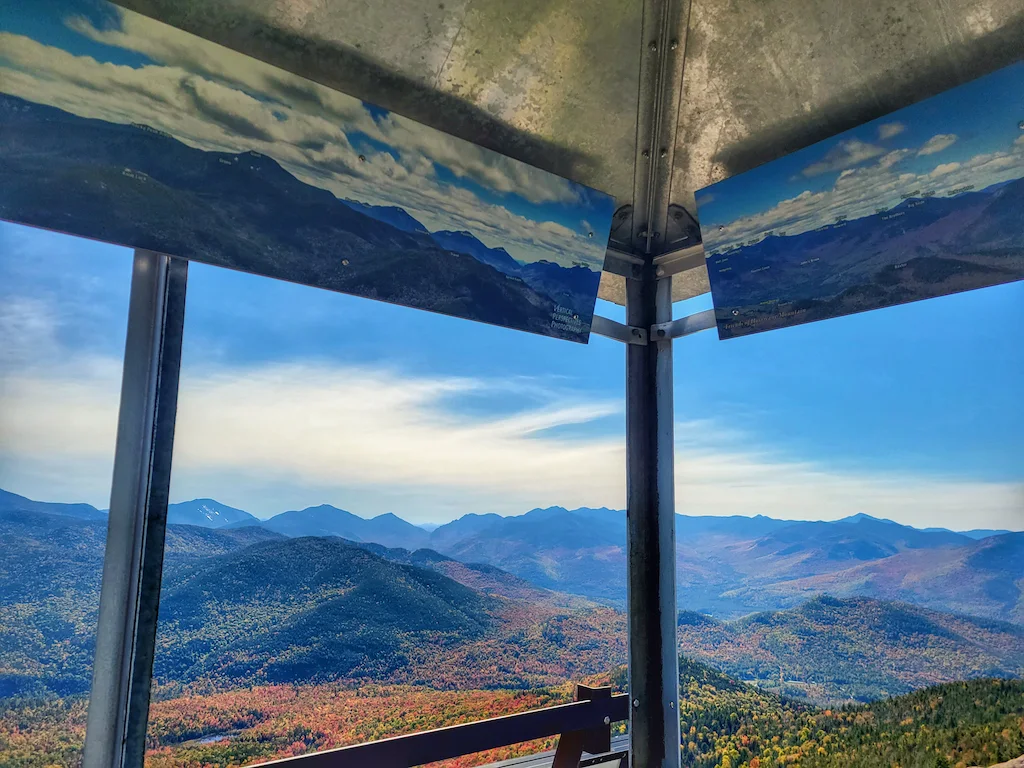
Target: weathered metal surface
<point x="650" y="532"/>
<point x="133" y="561"/>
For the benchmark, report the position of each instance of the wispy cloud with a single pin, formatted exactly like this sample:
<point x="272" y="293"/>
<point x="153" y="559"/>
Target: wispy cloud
<point x="890" y="130"/>
<point x="843" y="156"/>
<point x="375" y="439"/>
<point x="861" y="191"/>
<point x="937" y="144"/>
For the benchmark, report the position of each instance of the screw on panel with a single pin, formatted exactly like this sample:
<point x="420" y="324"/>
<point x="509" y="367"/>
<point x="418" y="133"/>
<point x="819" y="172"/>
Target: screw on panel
<point x="662" y="152"/>
<point x="652" y="46"/>
<point x="673" y="44"/>
<point x="646" y="153"/>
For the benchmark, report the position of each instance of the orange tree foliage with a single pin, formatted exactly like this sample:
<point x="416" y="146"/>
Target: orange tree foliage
<point x="250" y="725"/>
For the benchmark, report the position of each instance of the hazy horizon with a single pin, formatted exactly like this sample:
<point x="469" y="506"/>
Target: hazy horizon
<point x="291" y="397"/>
<point x="430" y="525"/>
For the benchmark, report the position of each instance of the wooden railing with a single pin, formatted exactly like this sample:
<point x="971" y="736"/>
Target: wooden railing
<point x="582" y="726"/>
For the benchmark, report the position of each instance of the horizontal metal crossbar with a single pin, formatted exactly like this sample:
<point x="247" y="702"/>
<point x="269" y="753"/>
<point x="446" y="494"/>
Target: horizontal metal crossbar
<point x="457" y="740"/>
<point x="611" y="329"/>
<point x="684" y="326"/>
<point x="683" y="260"/>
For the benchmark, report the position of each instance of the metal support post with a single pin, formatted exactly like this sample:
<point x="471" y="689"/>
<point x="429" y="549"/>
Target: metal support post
<point x="133" y="561"/>
<point x="651" y="557"/>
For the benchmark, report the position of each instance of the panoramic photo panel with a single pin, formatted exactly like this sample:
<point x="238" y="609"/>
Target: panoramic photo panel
<point x="122" y="129"/>
<point x="924" y="202"/>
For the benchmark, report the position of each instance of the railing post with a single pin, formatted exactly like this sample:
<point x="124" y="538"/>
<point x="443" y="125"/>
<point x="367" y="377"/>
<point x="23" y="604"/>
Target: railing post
<point x="651" y="556"/>
<point x="133" y="560"/>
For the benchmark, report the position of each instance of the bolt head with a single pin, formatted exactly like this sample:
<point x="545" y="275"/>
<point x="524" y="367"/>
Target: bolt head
<point x="636" y="702"/>
<point x="607" y="720"/>
<point x="721" y="229"/>
<point x="646" y="153"/>
<point x="662" y="152"/>
<point x="1021" y="125"/>
<point x="590" y="234"/>
<point x="673" y="44"/>
<point x="652" y="46"/>
<point x="344" y="262"/>
<point x="362" y="158"/>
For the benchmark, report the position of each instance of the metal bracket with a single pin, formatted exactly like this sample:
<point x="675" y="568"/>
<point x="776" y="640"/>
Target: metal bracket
<point x="682" y="260"/>
<point x="684" y="326"/>
<point x="627" y="334"/>
<point x="623" y="264"/>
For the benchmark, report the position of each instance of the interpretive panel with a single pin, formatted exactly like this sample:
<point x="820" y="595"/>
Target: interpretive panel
<point x="925" y="202"/>
<point x="116" y="127"/>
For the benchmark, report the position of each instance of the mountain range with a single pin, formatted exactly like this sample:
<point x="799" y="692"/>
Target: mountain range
<point x="133" y="185"/>
<point x="924" y="247"/>
<point x="726" y="566"/>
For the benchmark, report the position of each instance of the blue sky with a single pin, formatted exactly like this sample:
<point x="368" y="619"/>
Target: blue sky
<point x="293" y="396"/>
<point x="968" y="135"/>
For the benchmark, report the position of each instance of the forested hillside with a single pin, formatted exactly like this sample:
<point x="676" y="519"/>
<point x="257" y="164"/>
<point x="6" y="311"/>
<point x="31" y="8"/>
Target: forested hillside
<point x="832" y="650"/>
<point x="726" y="724"/>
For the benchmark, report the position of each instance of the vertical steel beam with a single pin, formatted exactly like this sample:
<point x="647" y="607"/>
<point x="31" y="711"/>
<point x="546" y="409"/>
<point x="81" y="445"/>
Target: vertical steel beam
<point x="650" y="508"/>
<point x="133" y="561"/>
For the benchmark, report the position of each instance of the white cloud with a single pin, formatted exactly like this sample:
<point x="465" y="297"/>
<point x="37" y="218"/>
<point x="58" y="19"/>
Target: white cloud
<point x="375" y="440"/>
<point x="863" y="190"/>
<point x="845" y="154"/>
<point x="736" y="476"/>
<point x="942" y="170"/>
<point x="890" y="130"/>
<point x="938" y="143"/>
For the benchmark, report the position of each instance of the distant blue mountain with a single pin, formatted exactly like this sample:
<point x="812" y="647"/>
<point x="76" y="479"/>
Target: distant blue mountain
<point x="12" y="502"/>
<point x="389" y="214"/>
<point x="208" y="513"/>
<point x="976" y="533"/>
<point x="325" y="520"/>
<point x="466" y="242"/>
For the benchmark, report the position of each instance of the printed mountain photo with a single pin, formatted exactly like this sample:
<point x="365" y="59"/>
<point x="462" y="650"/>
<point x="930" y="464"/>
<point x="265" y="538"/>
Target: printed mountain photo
<point x="923" y="203"/>
<point x="122" y="129"/>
